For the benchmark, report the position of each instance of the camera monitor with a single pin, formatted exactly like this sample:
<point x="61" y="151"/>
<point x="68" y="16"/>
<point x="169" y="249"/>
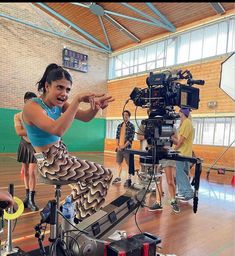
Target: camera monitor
<point x="189" y="97"/>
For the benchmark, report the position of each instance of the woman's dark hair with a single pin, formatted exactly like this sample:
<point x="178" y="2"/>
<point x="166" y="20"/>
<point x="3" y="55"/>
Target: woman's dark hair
<point x="127" y="111"/>
<point x="52" y="73"/>
<point x="29" y="95"/>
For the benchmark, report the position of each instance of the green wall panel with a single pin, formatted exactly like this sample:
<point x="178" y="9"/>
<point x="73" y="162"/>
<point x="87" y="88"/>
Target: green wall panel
<point x="9" y="140"/>
<point x="80" y="136"/>
<point x="88" y="136"/>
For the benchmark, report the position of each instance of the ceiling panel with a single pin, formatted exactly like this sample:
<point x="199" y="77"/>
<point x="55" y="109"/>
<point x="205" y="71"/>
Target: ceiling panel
<point x="179" y="14"/>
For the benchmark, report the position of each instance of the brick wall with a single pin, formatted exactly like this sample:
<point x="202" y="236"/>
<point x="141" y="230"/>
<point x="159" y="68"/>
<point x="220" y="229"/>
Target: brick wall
<point x="25" y="53"/>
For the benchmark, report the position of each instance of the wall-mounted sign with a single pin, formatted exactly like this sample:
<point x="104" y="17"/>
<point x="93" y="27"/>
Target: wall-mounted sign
<point x="75" y="60"/>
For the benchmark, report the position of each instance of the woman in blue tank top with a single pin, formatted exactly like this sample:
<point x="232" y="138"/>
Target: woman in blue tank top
<point x="46" y="119"/>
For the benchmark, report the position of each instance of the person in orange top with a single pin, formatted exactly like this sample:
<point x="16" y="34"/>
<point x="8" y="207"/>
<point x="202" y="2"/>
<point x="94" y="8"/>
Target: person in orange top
<point x="124" y="137"/>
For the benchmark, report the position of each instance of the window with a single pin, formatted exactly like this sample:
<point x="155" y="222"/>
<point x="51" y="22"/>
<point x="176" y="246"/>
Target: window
<point x="218" y="131"/>
<point x="183" y="48"/>
<point x="151" y="52"/>
<point x="141" y="56"/>
<point x="160" y="54"/>
<point x="196" y="45"/>
<point x="208" y="131"/>
<point x="232" y="132"/>
<point x="204" y="42"/>
<point x="222" y="38"/>
<point x="227" y="127"/>
<point x="197" y="124"/>
<point x="231" y="36"/>
<point x="210" y="41"/>
<point x="151" y="56"/>
<point x="118" y="62"/>
<point x="126" y="60"/>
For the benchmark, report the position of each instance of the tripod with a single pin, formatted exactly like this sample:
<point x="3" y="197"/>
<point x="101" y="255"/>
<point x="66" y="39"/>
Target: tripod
<point x="173" y="155"/>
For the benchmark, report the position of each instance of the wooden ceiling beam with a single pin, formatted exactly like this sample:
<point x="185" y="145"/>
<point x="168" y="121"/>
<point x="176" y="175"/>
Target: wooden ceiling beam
<point x="157" y="22"/>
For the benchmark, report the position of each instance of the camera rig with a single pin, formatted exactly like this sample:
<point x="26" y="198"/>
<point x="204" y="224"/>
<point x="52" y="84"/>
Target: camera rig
<point x="91" y="236"/>
<point x="163" y="93"/>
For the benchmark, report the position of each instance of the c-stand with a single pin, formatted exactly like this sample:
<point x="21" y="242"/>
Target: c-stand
<point x="171" y="155"/>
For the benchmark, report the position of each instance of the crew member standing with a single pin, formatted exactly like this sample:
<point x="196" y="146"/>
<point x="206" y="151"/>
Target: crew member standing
<point x="184" y="145"/>
<point x="124" y="138"/>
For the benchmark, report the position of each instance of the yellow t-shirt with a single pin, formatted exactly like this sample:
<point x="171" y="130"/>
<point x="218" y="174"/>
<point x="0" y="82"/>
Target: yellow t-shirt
<point x="186" y="130"/>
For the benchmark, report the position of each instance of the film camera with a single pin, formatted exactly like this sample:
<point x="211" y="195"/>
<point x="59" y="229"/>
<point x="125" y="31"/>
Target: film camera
<point x="164" y="91"/>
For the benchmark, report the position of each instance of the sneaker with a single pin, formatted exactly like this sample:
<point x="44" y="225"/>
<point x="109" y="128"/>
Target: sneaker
<point x="127" y="183"/>
<point x="155" y="207"/>
<point x="179" y="196"/>
<point x="175" y="206"/>
<point x="116" y="180"/>
<point x="186" y="199"/>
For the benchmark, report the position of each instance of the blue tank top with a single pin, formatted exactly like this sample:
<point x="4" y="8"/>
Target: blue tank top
<point x="37" y="136"/>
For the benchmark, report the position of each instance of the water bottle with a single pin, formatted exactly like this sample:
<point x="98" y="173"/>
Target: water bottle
<point x="68" y="212"/>
<point x="68" y="208"/>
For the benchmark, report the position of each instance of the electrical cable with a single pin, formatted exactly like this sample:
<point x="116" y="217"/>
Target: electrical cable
<point x="14" y="225"/>
<point x="74" y="241"/>
<point x="143" y="198"/>
<point x="67" y="251"/>
<point x="140" y="203"/>
<point x="55" y="243"/>
<point x="138" y="124"/>
<point x="154" y="156"/>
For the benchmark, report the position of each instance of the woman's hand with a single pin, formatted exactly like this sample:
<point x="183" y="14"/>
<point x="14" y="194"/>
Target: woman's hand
<point x="101" y="101"/>
<point x="85" y="97"/>
<point x="97" y="101"/>
<point x="6" y="196"/>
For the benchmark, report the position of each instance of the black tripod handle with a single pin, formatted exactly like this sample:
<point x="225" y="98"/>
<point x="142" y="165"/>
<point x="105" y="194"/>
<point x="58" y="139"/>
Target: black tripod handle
<point x="11" y="189"/>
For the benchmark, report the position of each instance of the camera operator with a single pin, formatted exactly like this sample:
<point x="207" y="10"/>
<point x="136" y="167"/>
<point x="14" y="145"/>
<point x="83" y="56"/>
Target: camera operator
<point x="169" y="168"/>
<point x="184" y="145"/>
<point x="124" y="137"/>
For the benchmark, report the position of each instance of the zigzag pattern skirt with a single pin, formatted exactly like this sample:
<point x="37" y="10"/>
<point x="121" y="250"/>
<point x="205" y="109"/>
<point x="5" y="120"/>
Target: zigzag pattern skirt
<point x="89" y="181"/>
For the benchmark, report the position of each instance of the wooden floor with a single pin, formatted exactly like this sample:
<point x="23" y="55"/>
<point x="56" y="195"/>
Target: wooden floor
<point x="209" y="232"/>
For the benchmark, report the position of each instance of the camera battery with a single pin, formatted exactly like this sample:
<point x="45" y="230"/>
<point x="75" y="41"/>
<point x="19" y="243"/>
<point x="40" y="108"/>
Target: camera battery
<point x="148" y="242"/>
<point x="126" y="247"/>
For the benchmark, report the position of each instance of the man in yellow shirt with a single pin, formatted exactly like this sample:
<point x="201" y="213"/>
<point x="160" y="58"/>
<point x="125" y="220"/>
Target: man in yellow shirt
<point x="184" y="145"/>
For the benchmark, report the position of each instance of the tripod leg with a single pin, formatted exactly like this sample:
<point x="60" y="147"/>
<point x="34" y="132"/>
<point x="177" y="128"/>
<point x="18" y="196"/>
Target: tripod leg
<point x="196" y="183"/>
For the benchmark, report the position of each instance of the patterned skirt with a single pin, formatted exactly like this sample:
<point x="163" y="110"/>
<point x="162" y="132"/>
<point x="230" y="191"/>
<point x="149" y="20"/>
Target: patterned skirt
<point x="89" y="181"/>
